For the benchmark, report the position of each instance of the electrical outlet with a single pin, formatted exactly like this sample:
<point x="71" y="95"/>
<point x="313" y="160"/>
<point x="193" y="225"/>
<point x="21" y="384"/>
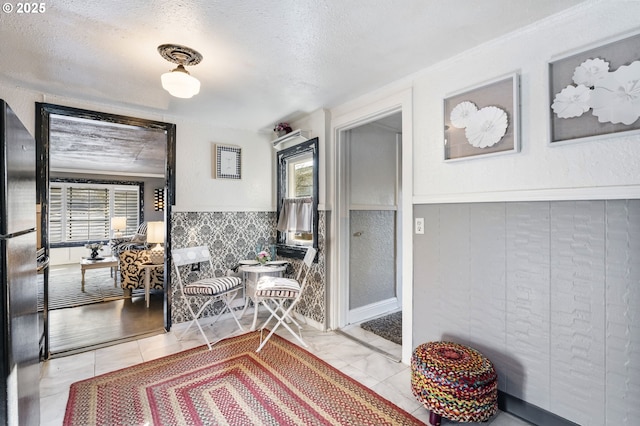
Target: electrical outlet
<point x="419" y="225"/>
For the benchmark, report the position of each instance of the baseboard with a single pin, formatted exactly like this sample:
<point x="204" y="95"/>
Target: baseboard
<point x="530" y="412"/>
<point x="373" y="310"/>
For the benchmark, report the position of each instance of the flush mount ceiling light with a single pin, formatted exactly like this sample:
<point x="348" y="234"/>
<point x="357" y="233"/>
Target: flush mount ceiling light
<point x="179" y="82"/>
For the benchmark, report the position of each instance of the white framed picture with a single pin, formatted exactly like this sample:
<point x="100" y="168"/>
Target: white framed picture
<point x="227" y="162"/>
<point x="482" y="120"/>
<point x="594" y="93"/>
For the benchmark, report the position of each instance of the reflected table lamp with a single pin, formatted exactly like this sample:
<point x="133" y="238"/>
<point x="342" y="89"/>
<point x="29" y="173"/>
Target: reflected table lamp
<point x="155" y="235"/>
<point x="118" y="224"/>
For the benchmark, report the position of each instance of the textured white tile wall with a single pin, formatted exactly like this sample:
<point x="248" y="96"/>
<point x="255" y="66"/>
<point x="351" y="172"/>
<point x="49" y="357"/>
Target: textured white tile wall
<point x="372" y="262"/>
<point x="527" y="269"/>
<point x="622" y="334"/>
<point x="487" y="279"/>
<point x="454" y="273"/>
<point x="549" y="291"/>
<point x="577" y="311"/>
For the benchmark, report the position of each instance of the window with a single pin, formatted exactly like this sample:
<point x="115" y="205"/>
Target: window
<point x="81" y="212"/>
<point x="299" y="191"/>
<point x="297" y="199"/>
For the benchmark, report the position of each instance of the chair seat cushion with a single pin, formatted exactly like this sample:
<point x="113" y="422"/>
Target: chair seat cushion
<point x="277" y="287"/>
<point x="211" y="286"/>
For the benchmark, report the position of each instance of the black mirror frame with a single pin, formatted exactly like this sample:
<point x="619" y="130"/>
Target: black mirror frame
<point x="43" y="112"/>
<point x="287" y="250"/>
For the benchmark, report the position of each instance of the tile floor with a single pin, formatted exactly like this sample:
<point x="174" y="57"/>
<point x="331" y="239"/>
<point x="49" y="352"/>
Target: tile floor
<point x="388" y="378"/>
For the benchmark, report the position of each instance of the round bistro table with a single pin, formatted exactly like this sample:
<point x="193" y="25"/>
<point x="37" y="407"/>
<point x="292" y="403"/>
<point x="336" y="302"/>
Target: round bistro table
<point x="250" y="275"/>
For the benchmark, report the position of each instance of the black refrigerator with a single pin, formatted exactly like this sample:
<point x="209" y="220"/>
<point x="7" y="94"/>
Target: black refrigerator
<point x="19" y="393"/>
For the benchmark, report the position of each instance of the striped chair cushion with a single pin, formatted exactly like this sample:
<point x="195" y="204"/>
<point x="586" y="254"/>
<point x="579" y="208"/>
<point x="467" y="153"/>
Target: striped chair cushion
<point x="211" y="286"/>
<point x="277" y="287"/>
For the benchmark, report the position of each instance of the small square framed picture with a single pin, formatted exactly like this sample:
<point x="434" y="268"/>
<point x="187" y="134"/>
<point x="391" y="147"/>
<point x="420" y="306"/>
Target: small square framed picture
<point x="227" y="162"/>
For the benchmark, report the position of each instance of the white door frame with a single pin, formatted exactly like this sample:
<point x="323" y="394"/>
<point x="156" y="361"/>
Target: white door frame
<point x="339" y="226"/>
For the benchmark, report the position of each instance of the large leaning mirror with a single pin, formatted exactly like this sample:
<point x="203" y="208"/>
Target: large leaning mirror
<point x="297" y="215"/>
<point x="98" y="174"/>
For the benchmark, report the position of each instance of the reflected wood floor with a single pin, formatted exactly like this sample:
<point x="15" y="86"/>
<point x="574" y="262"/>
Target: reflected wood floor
<point x="101" y="324"/>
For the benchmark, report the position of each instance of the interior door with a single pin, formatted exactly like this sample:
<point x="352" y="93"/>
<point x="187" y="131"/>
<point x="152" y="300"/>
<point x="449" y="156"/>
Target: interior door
<point x="373" y="192"/>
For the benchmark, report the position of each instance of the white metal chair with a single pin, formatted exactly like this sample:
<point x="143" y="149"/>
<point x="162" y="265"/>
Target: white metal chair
<point x="209" y="290"/>
<point x="274" y="292"/>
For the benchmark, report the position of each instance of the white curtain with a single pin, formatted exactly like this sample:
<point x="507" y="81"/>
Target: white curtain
<point x="296" y="215"/>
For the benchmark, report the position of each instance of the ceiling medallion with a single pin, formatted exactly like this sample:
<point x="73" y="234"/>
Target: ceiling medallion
<point x="178" y="54"/>
<point x="178" y="82"/>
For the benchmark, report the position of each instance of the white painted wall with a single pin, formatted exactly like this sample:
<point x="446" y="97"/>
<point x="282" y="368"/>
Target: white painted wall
<point x="610" y="162"/>
<point x="318" y="123"/>
<point x="609" y="168"/>
<point x="195" y="188"/>
<point x="372" y="167"/>
<point x="69" y="255"/>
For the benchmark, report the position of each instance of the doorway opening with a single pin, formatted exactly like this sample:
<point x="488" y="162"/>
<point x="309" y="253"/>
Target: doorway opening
<point x="97" y="177"/>
<point x="372" y="275"/>
<point x="371" y="210"/>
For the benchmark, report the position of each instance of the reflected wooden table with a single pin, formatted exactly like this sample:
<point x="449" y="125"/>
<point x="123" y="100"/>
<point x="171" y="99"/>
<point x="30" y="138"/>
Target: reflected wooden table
<point x="104" y="262"/>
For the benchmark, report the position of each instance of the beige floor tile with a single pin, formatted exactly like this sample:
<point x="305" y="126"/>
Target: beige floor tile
<point x="117" y="357"/>
<point x="378" y="366"/>
<point x="387" y="378"/>
<point x="52" y="409"/>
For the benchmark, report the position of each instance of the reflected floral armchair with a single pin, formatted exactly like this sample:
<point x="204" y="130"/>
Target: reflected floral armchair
<point x="132" y="274"/>
<point x="138" y="241"/>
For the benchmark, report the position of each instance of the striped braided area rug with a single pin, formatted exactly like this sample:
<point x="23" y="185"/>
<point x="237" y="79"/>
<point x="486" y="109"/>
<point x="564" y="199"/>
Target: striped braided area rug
<point x="232" y="385"/>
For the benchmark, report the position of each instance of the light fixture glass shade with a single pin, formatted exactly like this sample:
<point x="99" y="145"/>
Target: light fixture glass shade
<point x="118" y="224"/>
<point x="155" y="232"/>
<point x="179" y="83"/>
<point x="155" y="235"/>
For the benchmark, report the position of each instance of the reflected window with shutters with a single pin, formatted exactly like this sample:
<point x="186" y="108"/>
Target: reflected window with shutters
<point x="80" y="211"/>
<point x="297" y="214"/>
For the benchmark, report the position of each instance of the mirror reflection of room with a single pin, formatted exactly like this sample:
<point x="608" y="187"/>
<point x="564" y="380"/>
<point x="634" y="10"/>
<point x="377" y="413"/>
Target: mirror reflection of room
<point x="106" y="233"/>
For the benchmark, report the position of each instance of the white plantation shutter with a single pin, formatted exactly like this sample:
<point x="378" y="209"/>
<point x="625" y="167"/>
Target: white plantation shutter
<point x="87" y="214"/>
<point x="125" y="204"/>
<point x="55" y="214"/>
<point x="82" y="212"/>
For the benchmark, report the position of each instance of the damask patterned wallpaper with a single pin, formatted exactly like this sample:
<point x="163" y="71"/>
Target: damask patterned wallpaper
<point x="234" y="236"/>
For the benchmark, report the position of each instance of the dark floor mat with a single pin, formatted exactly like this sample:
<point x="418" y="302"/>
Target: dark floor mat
<point x="388" y="327"/>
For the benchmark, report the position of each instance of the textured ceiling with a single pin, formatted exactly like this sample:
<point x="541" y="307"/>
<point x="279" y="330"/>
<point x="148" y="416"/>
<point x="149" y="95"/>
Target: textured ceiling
<point x="264" y="61"/>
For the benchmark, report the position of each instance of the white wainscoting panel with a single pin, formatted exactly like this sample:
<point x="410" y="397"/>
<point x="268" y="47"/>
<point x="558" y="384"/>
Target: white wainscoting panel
<point x="527" y="326"/>
<point x="622" y="334"/>
<point x="577" y="310"/>
<point x="548" y="290"/>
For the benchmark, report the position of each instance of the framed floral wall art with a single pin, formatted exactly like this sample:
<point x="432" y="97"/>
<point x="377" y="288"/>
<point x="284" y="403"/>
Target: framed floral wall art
<point x="482" y="120"/>
<point x="595" y="93"/>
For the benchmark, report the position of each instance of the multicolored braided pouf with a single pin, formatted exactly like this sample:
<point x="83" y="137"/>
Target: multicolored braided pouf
<point x="454" y="381"/>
